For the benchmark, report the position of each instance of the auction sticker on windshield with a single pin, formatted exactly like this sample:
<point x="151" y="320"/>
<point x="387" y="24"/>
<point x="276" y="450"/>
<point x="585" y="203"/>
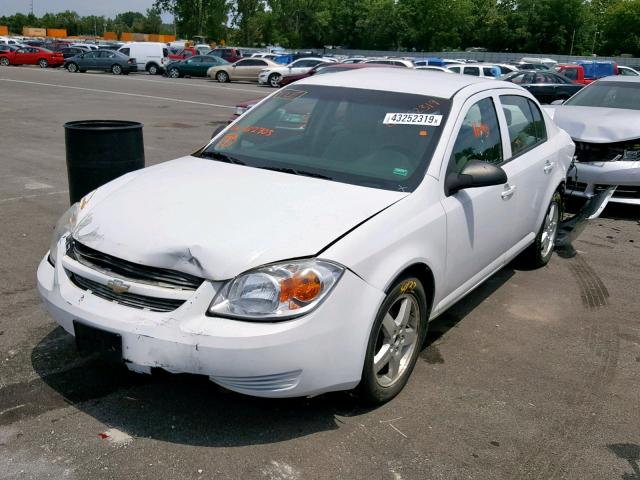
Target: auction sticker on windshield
<point x="412" y="119"/>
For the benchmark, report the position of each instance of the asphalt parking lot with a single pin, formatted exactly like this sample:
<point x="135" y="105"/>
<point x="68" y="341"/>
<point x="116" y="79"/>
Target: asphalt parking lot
<point x="536" y="374"/>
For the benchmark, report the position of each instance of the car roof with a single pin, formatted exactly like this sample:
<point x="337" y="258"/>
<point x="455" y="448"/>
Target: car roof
<point x="403" y="80"/>
<point x="619" y="78"/>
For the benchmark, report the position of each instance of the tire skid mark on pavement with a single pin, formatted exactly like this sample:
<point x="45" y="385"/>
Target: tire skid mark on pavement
<point x="593" y="292"/>
<point x="113" y="92"/>
<point x="559" y="452"/>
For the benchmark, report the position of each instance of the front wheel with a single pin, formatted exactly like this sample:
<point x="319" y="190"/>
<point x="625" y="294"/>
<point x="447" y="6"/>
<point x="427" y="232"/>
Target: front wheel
<point x="396" y="338"/>
<point x="174" y="72"/>
<point x="116" y="69"/>
<point x="4" y="61"/>
<point x="222" y="77"/>
<point x="274" y="80"/>
<point x="43" y="63"/>
<point x="540" y="251"/>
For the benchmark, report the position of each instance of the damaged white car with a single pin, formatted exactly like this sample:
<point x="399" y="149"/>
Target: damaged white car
<point x="306" y="247"/>
<point x="603" y="120"/>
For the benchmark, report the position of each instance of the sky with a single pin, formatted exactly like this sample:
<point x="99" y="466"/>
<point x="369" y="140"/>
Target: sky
<point x="108" y="8"/>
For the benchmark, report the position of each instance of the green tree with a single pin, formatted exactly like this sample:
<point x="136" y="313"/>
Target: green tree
<point x="199" y="17"/>
<point x="620" y="33"/>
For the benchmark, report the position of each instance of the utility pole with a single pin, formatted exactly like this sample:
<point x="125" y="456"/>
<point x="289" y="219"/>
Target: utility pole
<point x="573" y="37"/>
<point x="31" y="7"/>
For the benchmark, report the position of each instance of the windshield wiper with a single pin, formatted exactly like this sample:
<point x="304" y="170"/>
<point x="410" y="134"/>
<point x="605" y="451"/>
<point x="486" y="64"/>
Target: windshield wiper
<point x="221" y="157"/>
<point x="293" y="171"/>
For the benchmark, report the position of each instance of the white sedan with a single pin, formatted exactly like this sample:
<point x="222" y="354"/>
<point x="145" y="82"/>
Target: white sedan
<point x="271" y="76"/>
<point x="306" y="248"/>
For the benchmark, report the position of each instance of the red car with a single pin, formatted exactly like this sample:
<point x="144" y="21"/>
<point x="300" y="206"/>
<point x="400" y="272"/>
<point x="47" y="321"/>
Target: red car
<point x="323" y="68"/>
<point x="183" y="53"/>
<point x="32" y="56"/>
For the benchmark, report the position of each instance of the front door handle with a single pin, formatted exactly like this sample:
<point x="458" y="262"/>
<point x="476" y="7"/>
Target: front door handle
<point x="508" y="191"/>
<point x="548" y="167"/>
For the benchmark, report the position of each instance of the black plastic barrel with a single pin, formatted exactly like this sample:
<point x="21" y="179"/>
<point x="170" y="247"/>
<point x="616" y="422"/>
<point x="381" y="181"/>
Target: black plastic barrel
<point x="99" y="151"/>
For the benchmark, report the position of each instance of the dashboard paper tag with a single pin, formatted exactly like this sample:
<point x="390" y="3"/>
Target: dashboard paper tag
<point x="412" y="119"/>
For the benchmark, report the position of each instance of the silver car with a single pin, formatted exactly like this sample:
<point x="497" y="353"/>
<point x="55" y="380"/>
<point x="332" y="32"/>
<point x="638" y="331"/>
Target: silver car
<point x="603" y="120"/>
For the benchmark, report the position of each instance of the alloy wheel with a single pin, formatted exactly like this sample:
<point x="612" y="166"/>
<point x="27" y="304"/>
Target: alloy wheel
<point x="4" y="61"/>
<point x="397" y="339"/>
<point x="43" y="63"/>
<point x="549" y="230"/>
<point x="274" y="80"/>
<point x="174" y="73"/>
<point x="116" y="69"/>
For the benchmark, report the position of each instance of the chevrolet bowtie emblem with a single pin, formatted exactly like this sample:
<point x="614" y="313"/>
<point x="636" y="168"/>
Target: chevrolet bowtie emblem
<point x="118" y="286"/>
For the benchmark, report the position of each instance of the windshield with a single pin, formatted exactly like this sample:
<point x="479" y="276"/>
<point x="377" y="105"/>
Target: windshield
<point x="608" y="95"/>
<point x="364" y="137"/>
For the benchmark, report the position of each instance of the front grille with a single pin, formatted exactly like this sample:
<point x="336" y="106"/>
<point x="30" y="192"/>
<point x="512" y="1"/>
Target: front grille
<point x="128" y="299"/>
<point x="605" y="152"/>
<point x="622" y="191"/>
<point x="130" y="271"/>
<point x="574" y="186"/>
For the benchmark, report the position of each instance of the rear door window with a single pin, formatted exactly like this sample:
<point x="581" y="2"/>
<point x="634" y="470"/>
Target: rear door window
<point x="524" y="121"/>
<point x="479" y="137"/>
<point x="472" y="71"/>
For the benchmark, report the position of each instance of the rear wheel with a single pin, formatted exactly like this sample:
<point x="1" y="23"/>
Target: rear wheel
<point x="116" y="69"/>
<point x="395" y="342"/>
<point x="4" y="61"/>
<point x="274" y="80"/>
<point x="540" y="251"/>
<point x="153" y="69"/>
<point x="174" y="72"/>
<point x="222" y="77"/>
<point x="43" y="63"/>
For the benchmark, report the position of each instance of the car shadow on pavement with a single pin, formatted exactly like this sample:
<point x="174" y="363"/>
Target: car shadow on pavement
<point x="191" y="410"/>
<point x="631" y="453"/>
<point x="183" y="409"/>
<point x="456" y="313"/>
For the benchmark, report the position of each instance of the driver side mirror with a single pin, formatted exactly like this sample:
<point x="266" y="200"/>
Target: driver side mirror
<point x="475" y="173"/>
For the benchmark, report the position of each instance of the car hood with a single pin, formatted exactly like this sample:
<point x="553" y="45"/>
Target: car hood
<point x="597" y="124"/>
<point x="217" y="220"/>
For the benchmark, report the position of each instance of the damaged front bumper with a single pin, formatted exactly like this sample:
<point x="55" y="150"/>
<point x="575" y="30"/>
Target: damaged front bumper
<point x="320" y="352"/>
<point x="590" y="178"/>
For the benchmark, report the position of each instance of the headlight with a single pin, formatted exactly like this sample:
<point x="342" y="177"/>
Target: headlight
<point x="241" y="110"/>
<point x="64" y="226"/>
<point x="277" y="292"/>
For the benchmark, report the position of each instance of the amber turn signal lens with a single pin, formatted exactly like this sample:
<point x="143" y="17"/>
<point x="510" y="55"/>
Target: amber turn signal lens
<point x="303" y="286"/>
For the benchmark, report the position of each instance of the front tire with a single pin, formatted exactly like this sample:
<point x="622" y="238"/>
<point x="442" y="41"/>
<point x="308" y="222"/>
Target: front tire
<point x="539" y="253"/>
<point x="396" y="338"/>
<point x="174" y="72"/>
<point x="4" y="61"/>
<point x="274" y="80"/>
<point x="222" y="77"/>
<point x="43" y="63"/>
<point x="116" y="69"/>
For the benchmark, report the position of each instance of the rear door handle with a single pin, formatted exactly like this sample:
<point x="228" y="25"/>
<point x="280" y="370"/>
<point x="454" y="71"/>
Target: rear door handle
<point x="548" y="166"/>
<point x="508" y="191"/>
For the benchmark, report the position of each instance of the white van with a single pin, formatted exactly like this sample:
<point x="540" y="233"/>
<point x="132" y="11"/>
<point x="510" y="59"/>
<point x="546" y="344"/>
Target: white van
<point x="150" y="56"/>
